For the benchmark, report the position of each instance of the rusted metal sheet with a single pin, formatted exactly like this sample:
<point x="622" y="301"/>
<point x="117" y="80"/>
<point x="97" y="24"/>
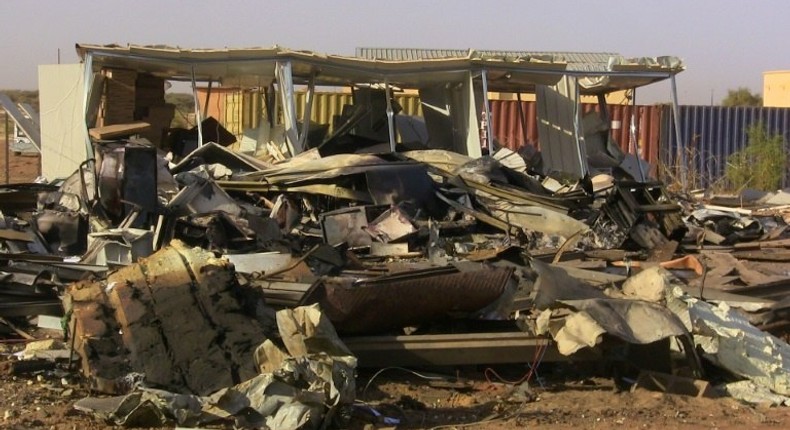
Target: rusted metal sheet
<point x="406" y="299"/>
<point x="516" y="126"/>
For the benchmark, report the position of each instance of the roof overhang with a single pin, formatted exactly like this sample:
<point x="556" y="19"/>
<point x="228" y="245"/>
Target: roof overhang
<point x="255" y="67"/>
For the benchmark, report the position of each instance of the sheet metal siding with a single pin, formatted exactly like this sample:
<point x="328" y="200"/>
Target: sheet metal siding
<point x="327" y="105"/>
<point x="509" y="131"/>
<point x="711" y="133"/>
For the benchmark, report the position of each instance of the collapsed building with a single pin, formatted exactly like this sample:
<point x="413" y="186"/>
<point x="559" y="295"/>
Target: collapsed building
<point x="210" y="265"/>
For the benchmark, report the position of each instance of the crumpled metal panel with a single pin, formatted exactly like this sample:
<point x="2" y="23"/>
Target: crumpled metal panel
<point x="407" y="299"/>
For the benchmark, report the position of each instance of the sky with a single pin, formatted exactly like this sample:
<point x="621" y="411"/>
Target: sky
<point x="725" y="44"/>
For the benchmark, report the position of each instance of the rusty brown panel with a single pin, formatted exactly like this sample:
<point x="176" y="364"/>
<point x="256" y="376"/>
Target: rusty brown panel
<point x="401" y="300"/>
<point x="650" y="133"/>
<point x="507" y="126"/>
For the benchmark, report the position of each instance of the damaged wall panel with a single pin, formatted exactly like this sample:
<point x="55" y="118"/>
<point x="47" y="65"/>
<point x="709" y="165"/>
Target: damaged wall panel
<point x="174" y="317"/>
<point x="63" y="130"/>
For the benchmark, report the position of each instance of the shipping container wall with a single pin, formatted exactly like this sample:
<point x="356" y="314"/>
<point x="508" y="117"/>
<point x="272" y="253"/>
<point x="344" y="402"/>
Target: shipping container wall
<point x="239" y="110"/>
<point x="328" y="105"/>
<point x="515" y="125"/>
<point x="709" y="134"/>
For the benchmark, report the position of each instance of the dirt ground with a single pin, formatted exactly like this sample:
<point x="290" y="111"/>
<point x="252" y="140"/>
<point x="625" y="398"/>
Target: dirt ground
<point x="587" y="403"/>
<point x="455" y="399"/>
<point x="20" y="168"/>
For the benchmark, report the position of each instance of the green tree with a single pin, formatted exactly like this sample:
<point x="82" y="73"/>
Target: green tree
<point x="761" y="164"/>
<point x="742" y="97"/>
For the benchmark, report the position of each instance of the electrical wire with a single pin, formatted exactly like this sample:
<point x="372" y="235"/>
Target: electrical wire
<point x="375" y="375"/>
<point x="537" y="358"/>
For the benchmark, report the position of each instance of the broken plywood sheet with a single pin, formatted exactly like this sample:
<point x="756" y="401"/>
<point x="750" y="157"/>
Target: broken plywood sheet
<point x="118" y="130"/>
<point x="300" y="388"/>
<point x="173" y="317"/>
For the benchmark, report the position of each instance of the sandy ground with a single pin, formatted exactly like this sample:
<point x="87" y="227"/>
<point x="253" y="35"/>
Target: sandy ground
<point x="20" y="168"/>
<point x="464" y="398"/>
<point x="588" y="403"/>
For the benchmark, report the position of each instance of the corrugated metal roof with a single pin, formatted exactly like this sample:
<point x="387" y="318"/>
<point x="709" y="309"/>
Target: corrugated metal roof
<point x="588" y="61"/>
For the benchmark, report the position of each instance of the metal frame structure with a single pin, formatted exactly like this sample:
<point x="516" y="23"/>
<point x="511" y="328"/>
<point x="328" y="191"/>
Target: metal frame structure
<point x="289" y="68"/>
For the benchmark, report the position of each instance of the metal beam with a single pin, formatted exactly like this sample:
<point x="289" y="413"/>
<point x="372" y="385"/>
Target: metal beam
<point x="284" y="74"/>
<point x="28" y="126"/>
<point x="198" y="120"/>
<point x="453" y="349"/>
<point x="681" y="153"/>
<point x="634" y="135"/>
<point x="489" y="136"/>
<point x="390" y="114"/>
<point x="578" y="130"/>
<point x="86" y="96"/>
<point x="662" y="74"/>
<point x="308" y="112"/>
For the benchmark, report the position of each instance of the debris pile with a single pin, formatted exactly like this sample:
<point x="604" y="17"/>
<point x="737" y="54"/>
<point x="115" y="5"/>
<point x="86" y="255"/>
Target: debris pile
<point x="427" y="250"/>
<point x="200" y="284"/>
<point x="307" y="384"/>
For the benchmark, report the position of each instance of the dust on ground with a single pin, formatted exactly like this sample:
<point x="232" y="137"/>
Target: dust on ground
<point x="455" y="398"/>
<point x="21" y="168"/>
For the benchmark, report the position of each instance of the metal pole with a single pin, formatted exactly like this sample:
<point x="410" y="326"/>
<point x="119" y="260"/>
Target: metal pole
<point x="286" y="87"/>
<point x="633" y="134"/>
<point x="198" y="120"/>
<point x="308" y="112"/>
<point x="208" y="98"/>
<point x="577" y="127"/>
<point x="88" y="81"/>
<point x="390" y="114"/>
<point x="681" y="154"/>
<point x="522" y="119"/>
<point x="489" y="134"/>
<point x="7" y="152"/>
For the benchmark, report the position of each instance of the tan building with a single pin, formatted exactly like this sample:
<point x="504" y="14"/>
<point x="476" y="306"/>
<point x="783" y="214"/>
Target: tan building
<point x="776" y="88"/>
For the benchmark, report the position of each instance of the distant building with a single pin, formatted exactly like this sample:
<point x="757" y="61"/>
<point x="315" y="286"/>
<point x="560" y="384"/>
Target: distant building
<point x="776" y="88"/>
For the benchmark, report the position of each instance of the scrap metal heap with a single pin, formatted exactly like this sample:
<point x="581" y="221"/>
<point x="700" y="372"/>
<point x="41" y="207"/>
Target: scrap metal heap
<point x="416" y="258"/>
<point x="203" y="284"/>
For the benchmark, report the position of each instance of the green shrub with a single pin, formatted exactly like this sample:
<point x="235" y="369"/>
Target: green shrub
<point x="761" y="164"/>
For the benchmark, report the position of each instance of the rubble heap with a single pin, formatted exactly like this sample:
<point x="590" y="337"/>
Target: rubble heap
<point x="420" y="257"/>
